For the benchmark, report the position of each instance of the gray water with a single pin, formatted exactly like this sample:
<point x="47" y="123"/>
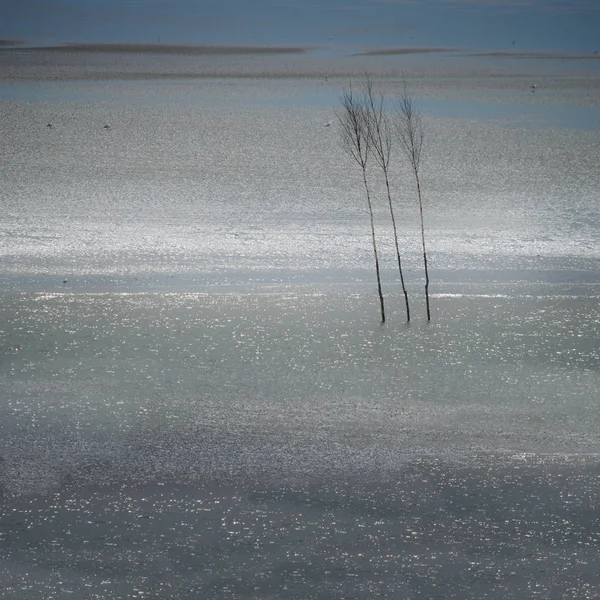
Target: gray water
<point x="197" y="399"/>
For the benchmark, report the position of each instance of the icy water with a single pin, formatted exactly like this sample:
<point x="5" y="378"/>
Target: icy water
<point x="197" y="399"/>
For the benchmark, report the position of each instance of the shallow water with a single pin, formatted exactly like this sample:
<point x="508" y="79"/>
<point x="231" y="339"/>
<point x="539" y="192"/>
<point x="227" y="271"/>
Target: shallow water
<point x="525" y="527"/>
<point x="296" y="375"/>
<point x="197" y="398"/>
<point x="283" y="443"/>
<point x="221" y="176"/>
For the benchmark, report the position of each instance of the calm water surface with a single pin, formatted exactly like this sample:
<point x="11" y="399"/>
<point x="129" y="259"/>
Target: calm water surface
<point x="197" y="399"/>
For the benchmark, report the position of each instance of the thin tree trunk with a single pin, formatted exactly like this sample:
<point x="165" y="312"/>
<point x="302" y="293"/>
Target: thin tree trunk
<point x="424" y="251"/>
<point x="374" y="247"/>
<point x="387" y="183"/>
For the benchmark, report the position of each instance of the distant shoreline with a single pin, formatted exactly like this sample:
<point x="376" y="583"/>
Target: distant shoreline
<point x="11" y="42"/>
<point x="9" y="45"/>
<point x="535" y="55"/>
<point x="399" y="51"/>
<point x="158" y="48"/>
<point x="143" y="62"/>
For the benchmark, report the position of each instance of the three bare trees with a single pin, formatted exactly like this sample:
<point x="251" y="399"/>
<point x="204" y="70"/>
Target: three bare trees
<point x="367" y="131"/>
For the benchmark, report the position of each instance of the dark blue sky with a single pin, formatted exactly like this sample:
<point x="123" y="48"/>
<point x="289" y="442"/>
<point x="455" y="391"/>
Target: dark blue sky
<point x="545" y="25"/>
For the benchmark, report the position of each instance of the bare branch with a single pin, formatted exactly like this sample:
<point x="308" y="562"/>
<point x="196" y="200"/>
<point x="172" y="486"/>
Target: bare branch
<point x="378" y="124"/>
<point x="353" y="127"/>
<point x="409" y="128"/>
<point x="353" y="121"/>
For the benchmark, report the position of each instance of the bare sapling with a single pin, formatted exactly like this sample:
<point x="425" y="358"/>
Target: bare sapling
<point x="352" y="119"/>
<point x="380" y="144"/>
<point x="409" y="128"/>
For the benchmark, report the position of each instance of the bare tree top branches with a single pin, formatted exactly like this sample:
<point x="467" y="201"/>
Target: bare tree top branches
<point x="378" y="124"/>
<point x="409" y="128"/>
<point x="353" y="127"/>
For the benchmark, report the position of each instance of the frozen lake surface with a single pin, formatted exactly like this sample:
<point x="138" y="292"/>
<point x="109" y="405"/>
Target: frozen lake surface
<point x="197" y="398"/>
